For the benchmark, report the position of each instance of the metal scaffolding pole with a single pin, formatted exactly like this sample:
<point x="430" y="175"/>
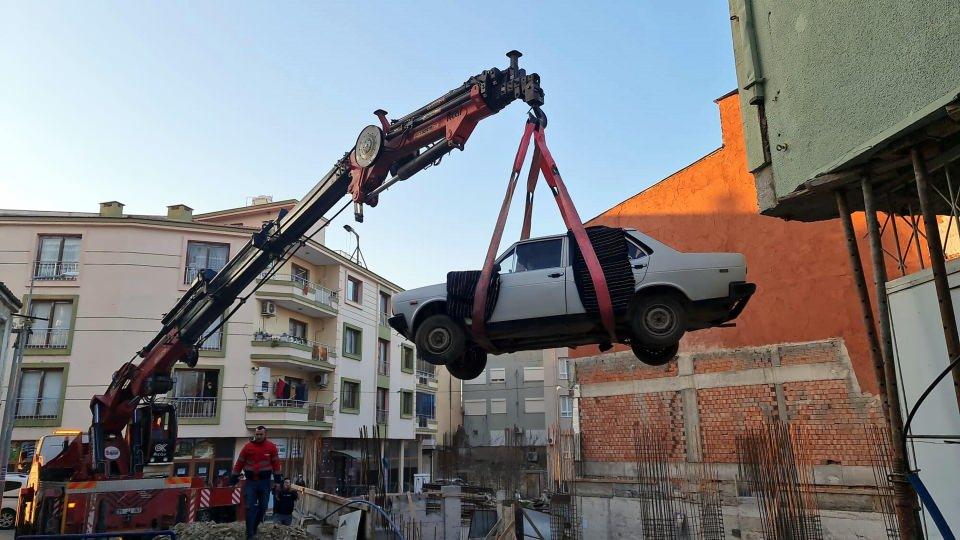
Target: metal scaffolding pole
<point x="843" y="208"/>
<point x="905" y="499"/>
<point x="938" y="266"/>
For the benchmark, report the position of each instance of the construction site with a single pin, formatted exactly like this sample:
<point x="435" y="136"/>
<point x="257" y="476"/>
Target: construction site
<point x="762" y="344"/>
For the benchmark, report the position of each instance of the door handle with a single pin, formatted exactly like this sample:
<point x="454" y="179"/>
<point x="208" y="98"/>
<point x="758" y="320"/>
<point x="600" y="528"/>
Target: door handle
<point x="555" y="274"/>
<point x="639" y="266"/>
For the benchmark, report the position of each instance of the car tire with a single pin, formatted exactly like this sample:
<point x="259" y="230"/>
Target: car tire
<point x="440" y="340"/>
<point x="658" y="320"/>
<point x="467" y="369"/>
<point x="653" y="355"/>
<point x="8" y="518"/>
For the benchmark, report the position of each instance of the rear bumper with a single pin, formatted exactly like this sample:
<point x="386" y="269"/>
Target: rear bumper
<point x="740" y="294"/>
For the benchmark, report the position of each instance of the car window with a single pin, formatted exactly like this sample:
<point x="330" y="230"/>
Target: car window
<point x="634" y="251"/>
<point x="507" y="261"/>
<point x="10" y="485"/>
<point x="539" y="255"/>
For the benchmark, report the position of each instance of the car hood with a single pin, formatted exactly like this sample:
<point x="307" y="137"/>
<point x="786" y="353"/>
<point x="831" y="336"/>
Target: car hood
<point x="420" y="294"/>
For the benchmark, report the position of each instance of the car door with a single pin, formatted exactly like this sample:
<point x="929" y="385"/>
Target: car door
<point x="532" y="281"/>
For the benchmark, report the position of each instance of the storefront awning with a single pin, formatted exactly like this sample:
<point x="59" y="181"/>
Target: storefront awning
<point x="353" y="454"/>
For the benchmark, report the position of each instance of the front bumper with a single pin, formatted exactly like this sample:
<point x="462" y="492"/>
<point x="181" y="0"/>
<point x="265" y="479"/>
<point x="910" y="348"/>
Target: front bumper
<point x="399" y="323"/>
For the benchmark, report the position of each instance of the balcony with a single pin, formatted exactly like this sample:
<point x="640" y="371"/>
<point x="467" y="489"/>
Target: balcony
<point x="194" y="407"/>
<point x="382" y="416"/>
<point x="426" y="376"/>
<point x="383" y="318"/>
<point x="289" y="414"/>
<point x="297" y="294"/>
<point x="426" y="424"/>
<point x="48" y="338"/>
<point x="283" y="350"/>
<point x="56" y="270"/>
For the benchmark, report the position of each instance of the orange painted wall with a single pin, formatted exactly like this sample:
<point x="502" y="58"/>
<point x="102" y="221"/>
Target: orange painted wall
<point x="805" y="286"/>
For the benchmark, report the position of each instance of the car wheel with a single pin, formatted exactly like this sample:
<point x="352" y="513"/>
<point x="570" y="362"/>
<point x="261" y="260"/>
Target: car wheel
<point x="466" y="369"/>
<point x="659" y="320"/>
<point x="653" y="355"/>
<point x="8" y="518"/>
<point x="440" y="340"/>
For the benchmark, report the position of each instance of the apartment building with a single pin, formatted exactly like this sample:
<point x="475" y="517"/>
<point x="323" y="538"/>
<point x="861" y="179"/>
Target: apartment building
<point x="309" y="356"/>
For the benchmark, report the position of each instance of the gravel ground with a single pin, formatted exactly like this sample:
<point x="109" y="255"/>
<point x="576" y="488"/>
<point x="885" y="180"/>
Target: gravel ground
<point x="235" y="531"/>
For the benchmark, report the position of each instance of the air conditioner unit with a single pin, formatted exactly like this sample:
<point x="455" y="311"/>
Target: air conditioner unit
<point x="322" y="380"/>
<point x="268" y="308"/>
<point x="532" y="457"/>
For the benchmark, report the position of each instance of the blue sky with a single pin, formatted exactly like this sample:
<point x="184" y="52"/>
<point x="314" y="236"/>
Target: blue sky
<point x="209" y="103"/>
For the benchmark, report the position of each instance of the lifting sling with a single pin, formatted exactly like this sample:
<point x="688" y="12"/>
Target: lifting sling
<point x="542" y="162"/>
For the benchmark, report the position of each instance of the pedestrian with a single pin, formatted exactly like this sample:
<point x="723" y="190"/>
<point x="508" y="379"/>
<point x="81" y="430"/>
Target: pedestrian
<point x="283" y="501"/>
<point x="260" y="463"/>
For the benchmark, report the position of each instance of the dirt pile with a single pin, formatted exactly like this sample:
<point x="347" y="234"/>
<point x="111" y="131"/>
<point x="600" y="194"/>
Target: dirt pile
<point x="208" y="530"/>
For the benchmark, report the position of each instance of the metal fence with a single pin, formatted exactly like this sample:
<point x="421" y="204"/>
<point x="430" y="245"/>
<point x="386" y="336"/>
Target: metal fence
<point x="382" y="415"/>
<point x="38" y="408"/>
<point x="194" y="407"/>
<point x="56" y="270"/>
<point x="48" y="338"/>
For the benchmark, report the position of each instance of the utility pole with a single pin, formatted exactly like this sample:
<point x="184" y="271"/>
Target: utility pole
<point x="13" y="384"/>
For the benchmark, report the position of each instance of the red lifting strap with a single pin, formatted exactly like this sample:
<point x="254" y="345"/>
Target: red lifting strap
<point x="542" y="160"/>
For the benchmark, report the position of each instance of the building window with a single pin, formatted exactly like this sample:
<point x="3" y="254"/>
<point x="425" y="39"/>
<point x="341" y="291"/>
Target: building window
<point x="51" y="328"/>
<point x="566" y="407"/>
<point x="204" y="256"/>
<point x="58" y="258"/>
<point x="215" y="341"/>
<point x="383" y="357"/>
<point x="533" y="405"/>
<point x="41" y="394"/>
<point x="298" y="331"/>
<point x="498" y="406"/>
<point x="427" y="409"/>
<point x="563" y="369"/>
<point x="354" y="289"/>
<point x="406" y="359"/>
<point x="384" y="308"/>
<point x="406" y="403"/>
<point x="498" y="375"/>
<point x="195" y="392"/>
<point x="533" y="374"/>
<point x="425" y="370"/>
<point x="299" y="275"/>
<point x="349" y="396"/>
<point x="383" y="405"/>
<point x="474" y="407"/>
<point x="352" y="337"/>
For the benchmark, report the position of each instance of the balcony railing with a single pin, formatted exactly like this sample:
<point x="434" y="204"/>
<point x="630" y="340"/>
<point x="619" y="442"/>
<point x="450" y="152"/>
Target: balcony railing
<point x="383" y="367"/>
<point x="383" y="318"/>
<point x="316" y="412"/>
<point x="308" y="289"/>
<point x="424" y="421"/>
<point x="382" y="415"/>
<point x="319" y="351"/>
<point x="190" y="273"/>
<point x="48" y="338"/>
<point x="213" y="343"/>
<point x="194" y="407"/>
<point x="56" y="270"/>
<point x="426" y="370"/>
<point x="38" y="408"/>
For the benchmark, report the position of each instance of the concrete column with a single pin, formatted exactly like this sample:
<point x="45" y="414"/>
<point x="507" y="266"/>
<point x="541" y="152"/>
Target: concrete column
<point x="778" y="388"/>
<point x="451" y="512"/>
<point x="403" y="447"/>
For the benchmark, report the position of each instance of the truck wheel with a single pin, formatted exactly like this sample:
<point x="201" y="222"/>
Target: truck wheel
<point x="467" y="369"/>
<point x="7" y="518"/>
<point x="655" y="356"/>
<point x="440" y="340"/>
<point x="658" y="320"/>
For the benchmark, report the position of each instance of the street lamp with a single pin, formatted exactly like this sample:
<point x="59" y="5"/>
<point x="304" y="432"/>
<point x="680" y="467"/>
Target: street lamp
<point x="357" y="255"/>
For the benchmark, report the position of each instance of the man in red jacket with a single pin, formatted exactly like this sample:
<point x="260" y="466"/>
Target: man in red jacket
<point x="260" y="463"/>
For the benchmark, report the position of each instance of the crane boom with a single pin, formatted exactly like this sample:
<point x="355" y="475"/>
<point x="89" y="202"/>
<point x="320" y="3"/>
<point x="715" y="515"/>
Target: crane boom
<point x="397" y="149"/>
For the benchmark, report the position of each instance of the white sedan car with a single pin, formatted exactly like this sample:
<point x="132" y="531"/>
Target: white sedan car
<point x="546" y="300"/>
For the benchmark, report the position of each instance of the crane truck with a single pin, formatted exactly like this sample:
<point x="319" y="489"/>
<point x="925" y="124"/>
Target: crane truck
<point x="114" y="477"/>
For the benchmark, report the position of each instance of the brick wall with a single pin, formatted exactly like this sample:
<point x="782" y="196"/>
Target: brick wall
<point x="731" y="389"/>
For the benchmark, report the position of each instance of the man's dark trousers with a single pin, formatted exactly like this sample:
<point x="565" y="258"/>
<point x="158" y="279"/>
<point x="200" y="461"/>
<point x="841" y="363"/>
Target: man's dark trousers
<point x="256" y="495"/>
